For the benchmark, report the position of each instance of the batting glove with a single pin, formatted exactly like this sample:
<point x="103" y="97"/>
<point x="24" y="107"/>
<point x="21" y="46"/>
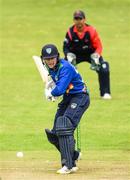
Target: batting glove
<point x="50" y="85"/>
<point x="48" y="95"/>
<point x="95" y="57"/>
<point x="71" y="57"/>
<point x="95" y="64"/>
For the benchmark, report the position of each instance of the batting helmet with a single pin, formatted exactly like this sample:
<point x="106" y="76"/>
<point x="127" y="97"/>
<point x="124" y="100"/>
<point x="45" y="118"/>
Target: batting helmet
<point x="49" y="51"/>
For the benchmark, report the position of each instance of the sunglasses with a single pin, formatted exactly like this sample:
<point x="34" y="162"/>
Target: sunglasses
<point x="78" y="18"/>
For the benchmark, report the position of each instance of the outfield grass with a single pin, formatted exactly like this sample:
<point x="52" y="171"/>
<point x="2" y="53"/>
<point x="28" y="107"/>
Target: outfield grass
<point x="25" y="27"/>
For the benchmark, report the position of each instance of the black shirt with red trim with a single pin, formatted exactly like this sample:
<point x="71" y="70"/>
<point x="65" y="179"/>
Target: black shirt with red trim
<point x="84" y="43"/>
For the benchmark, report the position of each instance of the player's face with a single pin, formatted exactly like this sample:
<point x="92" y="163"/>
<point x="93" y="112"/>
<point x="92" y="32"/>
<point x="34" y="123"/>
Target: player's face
<point x="79" y="22"/>
<point x="51" y="63"/>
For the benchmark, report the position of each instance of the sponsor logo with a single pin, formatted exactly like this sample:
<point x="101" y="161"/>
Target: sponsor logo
<point x="85" y="47"/>
<point x="76" y="40"/>
<point x="73" y="105"/>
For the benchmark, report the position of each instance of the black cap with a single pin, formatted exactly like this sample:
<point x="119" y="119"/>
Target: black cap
<point x="49" y="51"/>
<point x="79" y="14"/>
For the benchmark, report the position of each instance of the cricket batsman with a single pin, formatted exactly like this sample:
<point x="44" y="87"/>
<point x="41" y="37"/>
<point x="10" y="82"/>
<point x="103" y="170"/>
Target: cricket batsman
<point x="69" y="84"/>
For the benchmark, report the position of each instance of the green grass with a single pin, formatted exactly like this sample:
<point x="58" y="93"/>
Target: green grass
<point x="25" y="27"/>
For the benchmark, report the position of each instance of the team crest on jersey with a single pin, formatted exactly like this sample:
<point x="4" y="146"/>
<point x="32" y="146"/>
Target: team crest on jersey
<point x="73" y="105"/>
<point x="48" y="50"/>
<point x="56" y="78"/>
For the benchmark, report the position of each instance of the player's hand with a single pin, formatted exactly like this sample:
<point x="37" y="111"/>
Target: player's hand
<point x="95" y="57"/>
<point x="71" y="57"/>
<point x="95" y="64"/>
<point x="50" y="84"/>
<point x="48" y="95"/>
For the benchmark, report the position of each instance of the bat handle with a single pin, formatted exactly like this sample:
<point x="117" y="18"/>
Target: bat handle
<point x="53" y="99"/>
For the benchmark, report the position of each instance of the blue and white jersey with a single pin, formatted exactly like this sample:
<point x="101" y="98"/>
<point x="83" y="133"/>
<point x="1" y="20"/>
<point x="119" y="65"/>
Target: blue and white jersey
<point x="67" y="79"/>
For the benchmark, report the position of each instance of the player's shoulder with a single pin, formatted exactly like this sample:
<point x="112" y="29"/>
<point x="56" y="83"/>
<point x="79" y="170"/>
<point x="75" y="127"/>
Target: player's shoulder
<point x="70" y="28"/>
<point x="65" y="64"/>
<point x="90" y="27"/>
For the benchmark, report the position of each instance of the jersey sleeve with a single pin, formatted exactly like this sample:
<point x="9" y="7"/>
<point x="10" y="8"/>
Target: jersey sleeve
<point x="67" y="43"/>
<point x="96" y="42"/>
<point x="64" y="79"/>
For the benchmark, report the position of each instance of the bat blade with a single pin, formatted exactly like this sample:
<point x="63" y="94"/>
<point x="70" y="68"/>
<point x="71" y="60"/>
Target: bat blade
<point x="43" y="72"/>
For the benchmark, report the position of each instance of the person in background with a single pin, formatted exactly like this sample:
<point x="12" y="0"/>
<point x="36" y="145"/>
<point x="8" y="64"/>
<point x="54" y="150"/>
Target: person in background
<point x="82" y="43"/>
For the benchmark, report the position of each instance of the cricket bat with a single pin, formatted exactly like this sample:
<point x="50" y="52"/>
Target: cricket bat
<point x="43" y="71"/>
<point x="41" y="68"/>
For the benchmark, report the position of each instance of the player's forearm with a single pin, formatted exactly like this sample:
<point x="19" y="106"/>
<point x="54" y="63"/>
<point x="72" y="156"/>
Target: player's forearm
<point x="65" y="50"/>
<point x="98" y="47"/>
<point x="57" y="91"/>
<point x="66" y="46"/>
<point x="62" y="85"/>
<point x="96" y="42"/>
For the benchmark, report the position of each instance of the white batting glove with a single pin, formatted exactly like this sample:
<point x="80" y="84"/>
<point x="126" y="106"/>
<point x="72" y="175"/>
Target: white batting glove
<point x="95" y="58"/>
<point x="71" y="57"/>
<point x="50" y="84"/>
<point x="48" y="95"/>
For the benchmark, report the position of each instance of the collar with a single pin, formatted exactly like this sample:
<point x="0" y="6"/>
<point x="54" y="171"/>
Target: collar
<point x="57" y="67"/>
<point x="80" y="34"/>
